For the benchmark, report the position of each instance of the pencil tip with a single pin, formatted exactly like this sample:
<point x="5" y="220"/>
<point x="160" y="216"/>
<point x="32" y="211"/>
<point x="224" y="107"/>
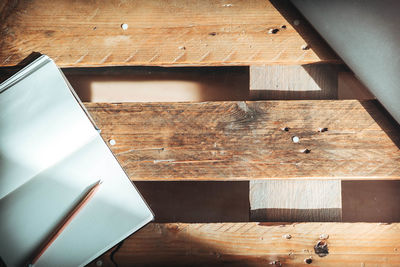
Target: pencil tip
<point x="100" y="181"/>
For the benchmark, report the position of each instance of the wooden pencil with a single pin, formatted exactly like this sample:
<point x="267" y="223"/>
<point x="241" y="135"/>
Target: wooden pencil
<point x="64" y="223"/>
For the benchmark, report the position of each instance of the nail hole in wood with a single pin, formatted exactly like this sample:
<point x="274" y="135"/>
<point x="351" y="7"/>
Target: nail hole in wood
<point x="306" y="151"/>
<point x="321" y="248"/>
<point x="287" y="236"/>
<point x="308" y="260"/>
<point x="286" y="129"/>
<point x="276" y="263"/>
<point x="321" y="130"/>
<point x="273" y="31"/>
<point x="295" y="139"/>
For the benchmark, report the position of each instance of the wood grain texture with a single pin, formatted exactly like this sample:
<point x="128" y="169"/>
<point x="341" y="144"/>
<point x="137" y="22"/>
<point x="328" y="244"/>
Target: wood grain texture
<point x="258" y="244"/>
<point x="296" y="201"/>
<point x="290" y="200"/>
<point x="245" y="140"/>
<point x="89" y="33"/>
<point x="282" y="82"/>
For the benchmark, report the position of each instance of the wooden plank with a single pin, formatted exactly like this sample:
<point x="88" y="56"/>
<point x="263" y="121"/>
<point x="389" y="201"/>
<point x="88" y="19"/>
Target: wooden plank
<point x="281" y="82"/>
<point x="246" y="140"/>
<point x="87" y="33"/>
<point x="296" y="201"/>
<point x="258" y="244"/>
<point x="300" y="200"/>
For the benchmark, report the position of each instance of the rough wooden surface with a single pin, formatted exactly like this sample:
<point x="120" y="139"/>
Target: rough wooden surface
<point x="296" y="200"/>
<point x="245" y="140"/>
<point x="89" y="33"/>
<point x="281" y="82"/>
<point x="258" y="244"/>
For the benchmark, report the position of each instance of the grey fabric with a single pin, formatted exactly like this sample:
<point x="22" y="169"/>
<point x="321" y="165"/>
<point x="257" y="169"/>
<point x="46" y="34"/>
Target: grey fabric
<point x="366" y="35"/>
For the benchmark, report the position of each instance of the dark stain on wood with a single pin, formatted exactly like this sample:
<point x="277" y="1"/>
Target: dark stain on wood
<point x="243" y="116"/>
<point x="321" y="248"/>
<point x="49" y="33"/>
<point x="7" y="8"/>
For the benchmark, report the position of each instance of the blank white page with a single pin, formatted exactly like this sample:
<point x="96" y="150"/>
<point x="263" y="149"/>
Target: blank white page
<point x="40" y="123"/>
<point x="30" y="213"/>
<point x="50" y="155"/>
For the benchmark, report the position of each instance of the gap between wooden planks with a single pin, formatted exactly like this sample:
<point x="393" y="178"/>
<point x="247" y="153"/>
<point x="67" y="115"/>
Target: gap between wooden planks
<point x="246" y="140"/>
<point x="260" y="244"/>
<point x="160" y="32"/>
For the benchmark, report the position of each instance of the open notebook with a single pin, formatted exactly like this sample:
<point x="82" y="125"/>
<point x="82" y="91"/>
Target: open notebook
<point x="50" y="155"/>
